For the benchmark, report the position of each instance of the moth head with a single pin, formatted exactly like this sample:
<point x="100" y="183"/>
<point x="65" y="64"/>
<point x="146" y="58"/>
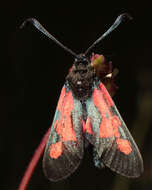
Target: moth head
<point x="81" y="59"/>
<point x="80" y="64"/>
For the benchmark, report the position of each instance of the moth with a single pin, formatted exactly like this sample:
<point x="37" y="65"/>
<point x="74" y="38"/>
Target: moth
<point x="86" y="114"/>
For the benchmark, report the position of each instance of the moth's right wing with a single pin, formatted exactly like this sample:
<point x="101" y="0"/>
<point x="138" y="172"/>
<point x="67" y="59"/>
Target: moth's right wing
<point x="64" y="149"/>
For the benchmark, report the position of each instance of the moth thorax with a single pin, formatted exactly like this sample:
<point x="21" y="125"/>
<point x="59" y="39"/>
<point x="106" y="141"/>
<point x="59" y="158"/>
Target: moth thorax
<point x="81" y="82"/>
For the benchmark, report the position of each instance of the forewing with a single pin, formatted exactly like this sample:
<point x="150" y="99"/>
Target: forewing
<point x="106" y="130"/>
<point x="64" y="149"/>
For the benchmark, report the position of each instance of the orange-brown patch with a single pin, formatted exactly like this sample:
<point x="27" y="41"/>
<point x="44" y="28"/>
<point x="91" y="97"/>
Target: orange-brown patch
<point x="61" y="99"/>
<point x="109" y="126"/>
<point x="124" y="146"/>
<point x="106" y="95"/>
<point x="56" y="150"/>
<point x="115" y="122"/>
<point x="64" y="126"/>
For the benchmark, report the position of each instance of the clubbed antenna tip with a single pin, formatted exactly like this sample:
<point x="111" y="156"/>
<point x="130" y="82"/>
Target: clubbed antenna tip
<point x="123" y="17"/>
<point x="37" y="25"/>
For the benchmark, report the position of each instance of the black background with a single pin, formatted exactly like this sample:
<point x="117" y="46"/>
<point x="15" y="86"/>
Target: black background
<point x="33" y="70"/>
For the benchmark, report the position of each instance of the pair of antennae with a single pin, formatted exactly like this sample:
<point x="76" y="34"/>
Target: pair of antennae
<point x="117" y="22"/>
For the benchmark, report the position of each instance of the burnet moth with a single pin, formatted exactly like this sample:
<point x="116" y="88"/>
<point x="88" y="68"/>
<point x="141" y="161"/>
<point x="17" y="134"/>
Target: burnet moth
<point x="86" y="114"/>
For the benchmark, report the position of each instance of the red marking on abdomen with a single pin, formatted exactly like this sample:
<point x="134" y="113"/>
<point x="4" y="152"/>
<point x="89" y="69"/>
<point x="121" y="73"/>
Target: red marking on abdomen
<point x="56" y="150"/>
<point x="124" y="146"/>
<point x="87" y="127"/>
<point x="109" y="126"/>
<point x="106" y="95"/>
<point x="64" y="126"/>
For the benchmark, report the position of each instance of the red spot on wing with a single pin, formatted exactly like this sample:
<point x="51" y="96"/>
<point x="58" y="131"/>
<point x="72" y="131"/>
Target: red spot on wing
<point x="106" y="130"/>
<point x="124" y="146"/>
<point x="87" y="127"/>
<point x="64" y="126"/>
<point x="110" y="123"/>
<point x="106" y="95"/>
<point x="56" y="150"/>
<point x="115" y="122"/>
<point x="109" y="126"/>
<point x="61" y="99"/>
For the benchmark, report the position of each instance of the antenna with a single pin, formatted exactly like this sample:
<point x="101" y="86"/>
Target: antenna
<point x="37" y="25"/>
<point x="118" y="21"/>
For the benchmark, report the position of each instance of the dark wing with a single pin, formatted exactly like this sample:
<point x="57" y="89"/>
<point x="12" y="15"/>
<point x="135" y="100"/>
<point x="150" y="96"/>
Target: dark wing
<point x="64" y="149"/>
<point x="112" y="141"/>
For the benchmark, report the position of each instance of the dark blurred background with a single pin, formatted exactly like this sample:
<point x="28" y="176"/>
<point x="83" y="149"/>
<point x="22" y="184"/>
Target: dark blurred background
<point x="33" y="70"/>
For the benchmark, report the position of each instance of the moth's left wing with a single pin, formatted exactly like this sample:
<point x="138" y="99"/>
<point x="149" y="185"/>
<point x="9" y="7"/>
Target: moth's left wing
<point x="111" y="139"/>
